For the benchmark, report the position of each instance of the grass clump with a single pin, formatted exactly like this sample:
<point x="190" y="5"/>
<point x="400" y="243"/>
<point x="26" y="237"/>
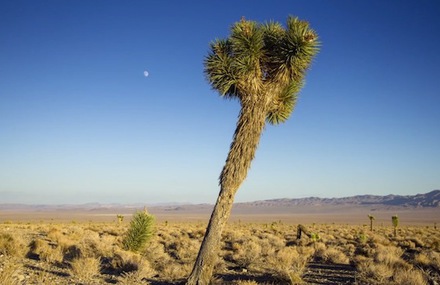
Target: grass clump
<point x="10" y="245"/>
<point x="140" y="231"/>
<point x="85" y="268"/>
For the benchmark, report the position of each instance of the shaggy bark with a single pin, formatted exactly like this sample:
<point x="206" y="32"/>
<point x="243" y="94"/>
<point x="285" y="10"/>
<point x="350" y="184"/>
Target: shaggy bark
<point x="247" y="135"/>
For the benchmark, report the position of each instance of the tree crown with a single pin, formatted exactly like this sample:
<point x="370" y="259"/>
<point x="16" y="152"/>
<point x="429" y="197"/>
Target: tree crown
<point x="263" y="61"/>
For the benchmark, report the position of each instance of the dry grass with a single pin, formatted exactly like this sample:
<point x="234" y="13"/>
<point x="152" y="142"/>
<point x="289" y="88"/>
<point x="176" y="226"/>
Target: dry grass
<point x="409" y="277"/>
<point x="85" y="268"/>
<point x="12" y="245"/>
<point x="251" y="253"/>
<point x="10" y="272"/>
<point x="288" y="265"/>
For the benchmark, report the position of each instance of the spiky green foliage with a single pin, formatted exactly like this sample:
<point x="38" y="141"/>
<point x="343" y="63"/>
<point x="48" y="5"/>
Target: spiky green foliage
<point x="140" y="231"/>
<point x="263" y="60"/>
<point x="395" y="221"/>
<point x="120" y="218"/>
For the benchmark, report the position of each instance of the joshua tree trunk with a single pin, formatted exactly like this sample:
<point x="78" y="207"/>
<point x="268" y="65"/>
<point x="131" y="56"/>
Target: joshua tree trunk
<point x="302" y="229"/>
<point x="247" y="135"/>
<point x="395" y="221"/>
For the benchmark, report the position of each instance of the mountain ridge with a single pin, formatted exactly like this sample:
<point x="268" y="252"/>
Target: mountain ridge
<point x="427" y="200"/>
<point x="430" y="199"/>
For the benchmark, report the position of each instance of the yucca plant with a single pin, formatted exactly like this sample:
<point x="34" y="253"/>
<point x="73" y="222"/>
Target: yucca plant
<point x="395" y="221"/>
<point x="263" y="66"/>
<point x="140" y="231"/>
<point x="371" y="217"/>
<point x="120" y="218"/>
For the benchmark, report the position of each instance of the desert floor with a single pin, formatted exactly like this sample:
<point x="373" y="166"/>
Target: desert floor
<point x="304" y="214"/>
<point x="259" y="246"/>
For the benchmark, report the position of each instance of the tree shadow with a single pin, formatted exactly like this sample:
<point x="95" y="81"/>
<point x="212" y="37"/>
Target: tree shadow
<point x="57" y="273"/>
<point x="330" y="274"/>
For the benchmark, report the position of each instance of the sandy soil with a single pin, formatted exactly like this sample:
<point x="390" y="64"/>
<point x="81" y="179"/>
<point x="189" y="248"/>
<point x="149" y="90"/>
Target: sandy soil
<point x="351" y="215"/>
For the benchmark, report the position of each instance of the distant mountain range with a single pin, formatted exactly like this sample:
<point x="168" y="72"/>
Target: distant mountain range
<point x="430" y="199"/>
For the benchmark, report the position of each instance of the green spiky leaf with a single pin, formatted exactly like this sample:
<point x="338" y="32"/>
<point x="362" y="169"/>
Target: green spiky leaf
<point x="140" y="231"/>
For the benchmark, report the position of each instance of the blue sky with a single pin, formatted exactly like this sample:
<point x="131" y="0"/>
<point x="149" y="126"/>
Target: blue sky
<point x="79" y="122"/>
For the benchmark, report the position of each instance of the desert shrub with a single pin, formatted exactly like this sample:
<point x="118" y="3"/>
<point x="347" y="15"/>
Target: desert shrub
<point x="10" y="245"/>
<point x="55" y="234"/>
<point x="320" y="249"/>
<point x="247" y="253"/>
<point x="175" y="270"/>
<point x="42" y="250"/>
<point x="288" y="265"/>
<point x="417" y="241"/>
<point x="433" y="259"/>
<point x="389" y="255"/>
<point x="107" y="243"/>
<point x="140" y="231"/>
<point x="409" y="277"/>
<point x="158" y="257"/>
<point x="131" y="265"/>
<point x="94" y="245"/>
<point x="370" y="272"/>
<point x="85" y="268"/>
<point x="186" y="250"/>
<point x="422" y="259"/>
<point x="268" y="248"/>
<point x="334" y="255"/>
<point x="305" y="251"/>
<point x="378" y="239"/>
<point x="197" y="234"/>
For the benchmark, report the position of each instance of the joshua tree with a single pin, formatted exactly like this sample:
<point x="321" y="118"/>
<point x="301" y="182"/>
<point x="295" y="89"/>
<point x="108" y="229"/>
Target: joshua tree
<point x="263" y="66"/>
<point x="371" y="217"/>
<point x="302" y="229"/>
<point x="120" y="218"/>
<point x="395" y="221"/>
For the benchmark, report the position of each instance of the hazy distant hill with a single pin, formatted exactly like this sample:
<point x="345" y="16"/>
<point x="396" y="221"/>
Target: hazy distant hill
<point x="430" y="199"/>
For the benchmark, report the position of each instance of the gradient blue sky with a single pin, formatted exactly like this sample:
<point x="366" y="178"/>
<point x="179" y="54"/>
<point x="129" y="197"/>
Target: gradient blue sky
<point x="79" y="122"/>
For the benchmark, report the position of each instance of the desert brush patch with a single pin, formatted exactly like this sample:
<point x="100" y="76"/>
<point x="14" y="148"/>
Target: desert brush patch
<point x="251" y="253"/>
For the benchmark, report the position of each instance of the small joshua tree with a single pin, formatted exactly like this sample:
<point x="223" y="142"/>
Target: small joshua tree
<point x="140" y="231"/>
<point x="395" y="221"/>
<point x="302" y="229"/>
<point x="371" y="217"/>
<point x="120" y="218"/>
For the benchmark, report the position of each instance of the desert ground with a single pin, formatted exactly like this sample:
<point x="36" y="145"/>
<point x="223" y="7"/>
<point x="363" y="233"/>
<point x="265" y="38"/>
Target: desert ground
<point x="302" y="214"/>
<point x="259" y="246"/>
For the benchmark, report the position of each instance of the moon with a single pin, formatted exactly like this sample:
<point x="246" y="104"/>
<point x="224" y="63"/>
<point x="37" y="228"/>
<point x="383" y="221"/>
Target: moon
<point x="146" y="73"/>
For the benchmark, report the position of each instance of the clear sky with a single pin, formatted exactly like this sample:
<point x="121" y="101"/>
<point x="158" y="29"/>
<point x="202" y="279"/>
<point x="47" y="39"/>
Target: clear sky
<point x="79" y="121"/>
